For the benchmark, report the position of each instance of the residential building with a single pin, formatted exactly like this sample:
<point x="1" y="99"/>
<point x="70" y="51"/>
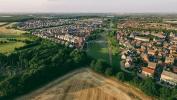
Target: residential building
<point x="169" y="77"/>
<point x="147" y="71"/>
<point x="141" y="38"/>
<point x="169" y="60"/>
<point x="152" y="65"/>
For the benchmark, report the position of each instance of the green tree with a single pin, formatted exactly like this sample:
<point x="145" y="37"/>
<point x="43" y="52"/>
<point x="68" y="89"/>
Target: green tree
<point x="149" y="87"/>
<point x="109" y="71"/>
<point x="92" y="64"/>
<point x="173" y="95"/>
<point x="165" y="93"/>
<point x="99" y="66"/>
<point x="120" y="76"/>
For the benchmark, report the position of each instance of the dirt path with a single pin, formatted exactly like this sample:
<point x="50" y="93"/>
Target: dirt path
<point x="85" y="84"/>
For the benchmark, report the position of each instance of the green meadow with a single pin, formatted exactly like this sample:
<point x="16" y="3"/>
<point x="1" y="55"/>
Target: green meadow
<point x="11" y="38"/>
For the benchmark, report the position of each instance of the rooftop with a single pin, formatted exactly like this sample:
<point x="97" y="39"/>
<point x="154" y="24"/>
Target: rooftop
<point x="148" y="70"/>
<point x="170" y="74"/>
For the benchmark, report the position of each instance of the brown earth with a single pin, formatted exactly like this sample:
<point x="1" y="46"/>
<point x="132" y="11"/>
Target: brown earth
<point x="85" y="84"/>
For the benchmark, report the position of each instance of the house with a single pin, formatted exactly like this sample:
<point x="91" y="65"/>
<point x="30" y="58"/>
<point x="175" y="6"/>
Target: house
<point x="175" y="55"/>
<point x="145" y="33"/>
<point x="172" y="34"/>
<point x="148" y="71"/>
<point x="151" y="52"/>
<point x="132" y="35"/>
<point x="129" y="59"/>
<point x="127" y="64"/>
<point x="144" y="57"/>
<point x="159" y="35"/>
<point x="142" y="39"/>
<point x="169" y="60"/>
<point x="169" y="77"/>
<point x="152" y="65"/>
<point x="175" y="69"/>
<point x="80" y="41"/>
<point x="123" y="57"/>
<point x="118" y="36"/>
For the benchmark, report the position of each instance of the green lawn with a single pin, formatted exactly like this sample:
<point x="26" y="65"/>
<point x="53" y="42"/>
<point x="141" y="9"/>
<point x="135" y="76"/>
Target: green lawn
<point x="2" y="23"/>
<point x="98" y="51"/>
<point x="10" y="47"/>
<point x="6" y="33"/>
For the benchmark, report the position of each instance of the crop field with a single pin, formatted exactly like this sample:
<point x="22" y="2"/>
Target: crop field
<point x="84" y="84"/>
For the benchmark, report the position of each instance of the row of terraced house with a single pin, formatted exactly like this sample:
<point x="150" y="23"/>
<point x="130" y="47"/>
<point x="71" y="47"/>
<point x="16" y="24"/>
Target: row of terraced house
<point x="71" y="32"/>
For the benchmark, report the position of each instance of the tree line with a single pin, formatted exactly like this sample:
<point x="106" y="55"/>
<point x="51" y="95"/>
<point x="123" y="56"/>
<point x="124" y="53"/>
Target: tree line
<point x="35" y="65"/>
<point x="148" y="86"/>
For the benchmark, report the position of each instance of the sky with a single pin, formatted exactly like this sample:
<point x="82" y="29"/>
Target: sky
<point x="88" y="6"/>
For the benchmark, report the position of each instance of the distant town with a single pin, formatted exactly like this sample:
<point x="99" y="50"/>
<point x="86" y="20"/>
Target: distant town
<point x="150" y="52"/>
<point x="130" y="55"/>
<point x="71" y="32"/>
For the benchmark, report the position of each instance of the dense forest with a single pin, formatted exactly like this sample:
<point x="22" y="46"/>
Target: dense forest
<point x="35" y="65"/>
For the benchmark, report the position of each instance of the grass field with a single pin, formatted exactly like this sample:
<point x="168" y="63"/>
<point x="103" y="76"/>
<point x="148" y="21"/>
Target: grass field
<point x="4" y="30"/>
<point x="99" y="51"/>
<point x="8" y="33"/>
<point x="10" y="47"/>
<point x="2" y="23"/>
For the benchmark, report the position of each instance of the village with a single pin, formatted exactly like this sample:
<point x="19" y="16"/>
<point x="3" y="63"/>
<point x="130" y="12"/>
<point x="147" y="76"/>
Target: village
<point x="147" y="24"/>
<point x="88" y="49"/>
<point x="44" y="23"/>
<point x="71" y="32"/>
<point x="150" y="54"/>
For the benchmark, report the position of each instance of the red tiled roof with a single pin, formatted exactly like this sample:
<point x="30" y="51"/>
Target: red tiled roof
<point x="148" y="70"/>
<point x="152" y="65"/>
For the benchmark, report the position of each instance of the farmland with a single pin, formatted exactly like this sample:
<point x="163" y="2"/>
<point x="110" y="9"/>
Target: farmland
<point x="9" y="47"/>
<point x="2" y="23"/>
<point x="85" y="85"/>
<point x="11" y="38"/>
<point x="6" y="30"/>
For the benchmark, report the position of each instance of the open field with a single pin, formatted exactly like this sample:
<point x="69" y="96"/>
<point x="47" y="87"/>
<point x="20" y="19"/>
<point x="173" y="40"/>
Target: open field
<point x="99" y="49"/>
<point x="2" y="23"/>
<point x="7" y="31"/>
<point x="98" y="52"/>
<point x="85" y="84"/>
<point x="7" y="46"/>
<point x="13" y="18"/>
<point x="10" y="47"/>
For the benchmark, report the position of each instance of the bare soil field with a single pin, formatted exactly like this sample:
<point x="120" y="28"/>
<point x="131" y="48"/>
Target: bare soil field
<point x="85" y="84"/>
